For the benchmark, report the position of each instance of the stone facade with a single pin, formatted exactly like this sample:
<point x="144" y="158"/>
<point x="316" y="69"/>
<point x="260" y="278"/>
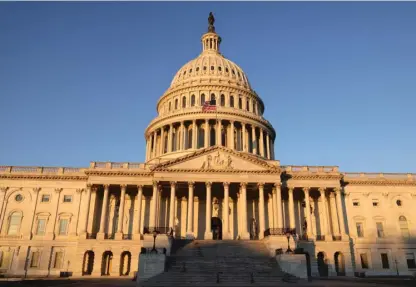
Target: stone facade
<point x="210" y="172"/>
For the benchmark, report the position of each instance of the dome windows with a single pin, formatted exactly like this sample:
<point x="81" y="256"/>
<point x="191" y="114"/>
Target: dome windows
<point x="212" y="68"/>
<point x="183" y="102"/>
<point x="190" y="71"/>
<point x="222" y="100"/>
<point x="233" y="72"/>
<point x="197" y="69"/>
<point x="202" y="99"/>
<point x="205" y="68"/>
<point x="184" y="73"/>
<point x="226" y="70"/>
<point x="192" y="100"/>
<point x="232" y="101"/>
<point x="399" y="203"/>
<point x="219" y="68"/>
<point x="176" y="104"/>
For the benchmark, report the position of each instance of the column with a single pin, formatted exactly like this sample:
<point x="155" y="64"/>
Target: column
<point x="268" y="145"/>
<point x="208" y="231"/>
<point x="243" y="135"/>
<point x="154" y="143"/>
<point x="189" y="232"/>
<point x="326" y="219"/>
<point x="291" y="209"/>
<point x="172" y="205"/>
<point x="261" y="143"/>
<point x="308" y="212"/>
<point x="279" y="204"/>
<point x="162" y="141"/>
<point x="231" y="144"/>
<point x="226" y="221"/>
<point x="340" y="212"/>
<point x="139" y="210"/>
<point x="170" y="138"/>
<point x="218" y="141"/>
<point x="147" y="148"/>
<point x="274" y="202"/>
<point x="261" y="210"/>
<point x="194" y="133"/>
<point x="206" y="136"/>
<point x="182" y="136"/>
<point x="253" y="139"/>
<point x="119" y="233"/>
<point x="101" y="231"/>
<point x="333" y="211"/>
<point x="87" y="211"/>
<point x="243" y="198"/>
<point x="152" y="219"/>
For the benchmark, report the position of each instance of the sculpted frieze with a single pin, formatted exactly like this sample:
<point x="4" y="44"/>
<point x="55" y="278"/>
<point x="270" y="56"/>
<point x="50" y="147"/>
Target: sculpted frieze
<point x="218" y="161"/>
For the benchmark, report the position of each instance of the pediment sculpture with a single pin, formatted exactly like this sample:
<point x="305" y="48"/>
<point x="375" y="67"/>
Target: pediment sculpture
<point x="218" y="161"/>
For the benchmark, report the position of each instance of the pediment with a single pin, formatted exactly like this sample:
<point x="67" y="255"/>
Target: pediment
<point x="218" y="159"/>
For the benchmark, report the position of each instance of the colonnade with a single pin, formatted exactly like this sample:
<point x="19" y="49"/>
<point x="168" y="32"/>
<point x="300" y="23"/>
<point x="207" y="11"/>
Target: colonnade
<point x="332" y="222"/>
<point x="203" y="133"/>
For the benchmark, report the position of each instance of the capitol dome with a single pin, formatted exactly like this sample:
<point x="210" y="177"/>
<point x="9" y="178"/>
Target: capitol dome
<point x="209" y="102"/>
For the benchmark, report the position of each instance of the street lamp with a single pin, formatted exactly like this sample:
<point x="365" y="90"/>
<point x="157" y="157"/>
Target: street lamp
<point x="288" y="246"/>
<point x="154" y="242"/>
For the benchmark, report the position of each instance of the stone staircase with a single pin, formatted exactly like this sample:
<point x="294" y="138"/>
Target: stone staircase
<point x="224" y="262"/>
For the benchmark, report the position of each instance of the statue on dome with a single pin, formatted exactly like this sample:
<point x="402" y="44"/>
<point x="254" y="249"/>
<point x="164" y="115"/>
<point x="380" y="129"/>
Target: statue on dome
<point x="211" y="21"/>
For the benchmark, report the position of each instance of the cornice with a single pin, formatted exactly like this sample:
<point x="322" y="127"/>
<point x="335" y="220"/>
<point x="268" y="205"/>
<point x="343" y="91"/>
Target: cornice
<point x="43" y="177"/>
<point x="153" y="124"/>
<point x="314" y="176"/>
<point x="117" y="173"/>
<point x="380" y="182"/>
<point x="231" y="171"/>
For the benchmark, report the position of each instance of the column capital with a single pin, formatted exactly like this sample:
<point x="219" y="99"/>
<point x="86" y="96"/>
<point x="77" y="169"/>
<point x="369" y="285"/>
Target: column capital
<point x="94" y="188"/>
<point x="140" y="186"/>
<point x="208" y="184"/>
<point x="106" y="186"/>
<point x="331" y="195"/>
<point x="155" y="183"/>
<point x="260" y="184"/>
<point x="36" y="189"/>
<point x="191" y="184"/>
<point x="173" y="184"/>
<point x="277" y="184"/>
<point x="57" y="190"/>
<point x="123" y="186"/>
<point x="79" y="190"/>
<point x="243" y="184"/>
<point x="337" y="189"/>
<point x="3" y="188"/>
<point x="89" y="185"/>
<point x="274" y="191"/>
<point x="306" y="189"/>
<point x="290" y="189"/>
<point x="322" y="189"/>
<point x="226" y="184"/>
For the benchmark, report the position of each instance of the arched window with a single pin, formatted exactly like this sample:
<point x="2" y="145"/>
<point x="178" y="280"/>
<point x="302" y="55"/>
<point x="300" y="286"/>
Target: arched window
<point x="404" y="227"/>
<point x="212" y="136"/>
<point x="170" y="106"/>
<point x="14" y="223"/>
<point x="202" y="99"/>
<point x="222" y="101"/>
<point x="192" y="100"/>
<point x="232" y="101"/>
<point x="183" y="102"/>
<point x="240" y="103"/>
<point x="201" y="137"/>
<point x="248" y="105"/>
<point x="212" y="99"/>
<point x="176" y="104"/>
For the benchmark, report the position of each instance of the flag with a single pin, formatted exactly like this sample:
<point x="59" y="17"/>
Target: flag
<point x="209" y="106"/>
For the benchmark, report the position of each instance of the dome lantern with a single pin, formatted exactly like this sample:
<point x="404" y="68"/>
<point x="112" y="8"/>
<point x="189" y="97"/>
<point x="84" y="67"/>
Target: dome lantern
<point x="210" y="40"/>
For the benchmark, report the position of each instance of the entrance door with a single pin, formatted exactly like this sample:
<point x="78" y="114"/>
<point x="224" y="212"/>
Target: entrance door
<point x="216" y="228"/>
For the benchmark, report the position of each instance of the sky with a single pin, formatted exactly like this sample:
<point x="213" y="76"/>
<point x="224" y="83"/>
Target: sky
<point x="79" y="81"/>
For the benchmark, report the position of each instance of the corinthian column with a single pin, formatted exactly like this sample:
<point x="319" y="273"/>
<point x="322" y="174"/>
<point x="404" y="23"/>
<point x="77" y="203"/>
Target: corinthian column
<point x="261" y="143"/>
<point x="279" y="204"/>
<point x="206" y="137"/>
<point x="162" y="141"/>
<point x="226" y="227"/>
<point x="154" y="143"/>
<point x="101" y="231"/>
<point x="219" y="142"/>
<point x="291" y="209"/>
<point x="194" y="134"/>
<point x="139" y="210"/>
<point x="308" y="212"/>
<point x="262" y="223"/>
<point x="243" y="197"/>
<point x="231" y="144"/>
<point x="208" y="232"/>
<point x="119" y="233"/>
<point x="190" y="232"/>
<point x="172" y="204"/>
<point x="268" y="145"/>
<point x="340" y="211"/>
<point x="243" y="136"/>
<point x="326" y="219"/>
<point x="152" y="219"/>
<point x="254" y="139"/>
<point x="170" y="138"/>
<point x="86" y="209"/>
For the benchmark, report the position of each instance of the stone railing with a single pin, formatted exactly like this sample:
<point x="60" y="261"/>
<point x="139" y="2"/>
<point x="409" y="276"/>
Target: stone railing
<point x="118" y="165"/>
<point x="320" y="169"/>
<point x="394" y="176"/>
<point x="40" y="170"/>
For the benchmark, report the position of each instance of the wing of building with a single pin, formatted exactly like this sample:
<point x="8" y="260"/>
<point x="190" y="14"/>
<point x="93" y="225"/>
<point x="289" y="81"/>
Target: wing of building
<point x="210" y="173"/>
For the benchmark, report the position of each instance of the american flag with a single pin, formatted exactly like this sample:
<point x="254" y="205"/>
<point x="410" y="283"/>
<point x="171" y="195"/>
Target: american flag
<point x="209" y="106"/>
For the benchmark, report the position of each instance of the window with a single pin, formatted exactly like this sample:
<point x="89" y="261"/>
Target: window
<point x="197" y="69"/>
<point x="192" y="100"/>
<point x="232" y="101"/>
<point x="375" y="202"/>
<point x="226" y="70"/>
<point x="360" y="229"/>
<point x="380" y="230"/>
<point x="45" y="198"/>
<point x="170" y="106"/>
<point x="183" y="102"/>
<point x="399" y="202"/>
<point x="205" y="68"/>
<point x="356" y="203"/>
<point x="6" y="257"/>
<point x="67" y="198"/>
<point x="219" y="69"/>
<point x="34" y="262"/>
<point x="240" y="103"/>
<point x="248" y="105"/>
<point x="59" y="256"/>
<point x="404" y="228"/>
<point x="222" y="101"/>
<point x="255" y="108"/>
<point x="63" y="226"/>
<point x="18" y="198"/>
<point x="14" y="223"/>
<point x="40" y="230"/>
<point x="385" y="261"/>
<point x="202" y="99"/>
<point x="364" y="260"/>
<point x="410" y="258"/>
<point x="212" y="68"/>
<point x="213" y="98"/>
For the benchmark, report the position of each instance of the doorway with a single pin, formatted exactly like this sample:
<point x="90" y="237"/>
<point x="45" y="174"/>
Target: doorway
<point x="322" y="265"/>
<point x="339" y="263"/>
<point x="216" y="228"/>
<point x="106" y="263"/>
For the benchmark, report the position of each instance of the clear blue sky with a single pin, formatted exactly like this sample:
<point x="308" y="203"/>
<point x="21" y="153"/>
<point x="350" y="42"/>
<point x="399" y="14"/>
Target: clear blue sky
<point x="79" y="82"/>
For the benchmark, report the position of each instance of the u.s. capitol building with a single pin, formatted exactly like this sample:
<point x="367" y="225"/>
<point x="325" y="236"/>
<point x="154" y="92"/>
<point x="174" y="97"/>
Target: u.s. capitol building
<point x="210" y="173"/>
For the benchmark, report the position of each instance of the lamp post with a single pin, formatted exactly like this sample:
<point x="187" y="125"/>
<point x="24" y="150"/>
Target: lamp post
<point x="154" y="242"/>
<point x="288" y="245"/>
